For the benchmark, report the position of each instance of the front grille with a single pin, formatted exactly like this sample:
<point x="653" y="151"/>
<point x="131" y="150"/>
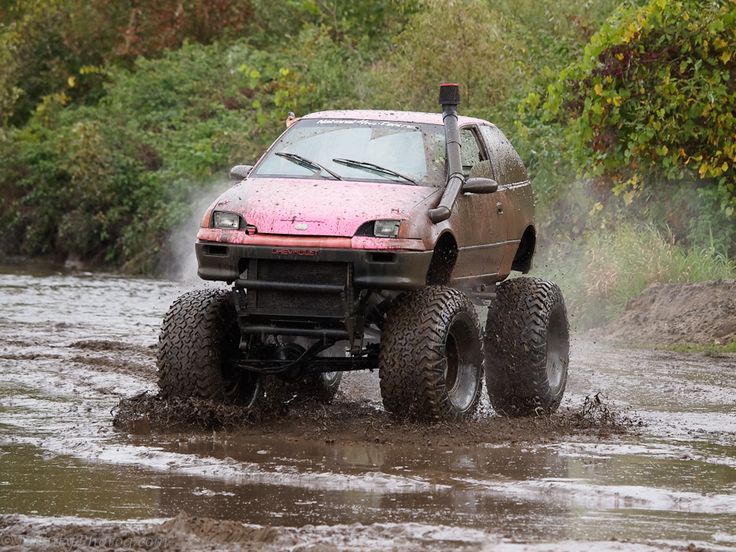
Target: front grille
<point x="294" y="302"/>
<point x="301" y="272"/>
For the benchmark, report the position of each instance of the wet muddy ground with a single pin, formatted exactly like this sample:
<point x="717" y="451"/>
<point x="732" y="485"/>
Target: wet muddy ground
<point x="650" y="464"/>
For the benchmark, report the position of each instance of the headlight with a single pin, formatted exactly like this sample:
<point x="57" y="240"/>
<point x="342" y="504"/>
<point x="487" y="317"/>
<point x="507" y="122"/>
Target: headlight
<point x="227" y="221"/>
<point x="386" y="228"/>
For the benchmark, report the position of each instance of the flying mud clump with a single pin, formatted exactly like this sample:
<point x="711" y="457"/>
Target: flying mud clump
<point x="145" y="412"/>
<point x="597" y="414"/>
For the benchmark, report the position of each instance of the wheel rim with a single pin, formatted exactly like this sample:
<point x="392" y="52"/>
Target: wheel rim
<point x="242" y="389"/>
<point x="462" y="368"/>
<point x="239" y="387"/>
<point x="557" y="350"/>
<point x="329" y="377"/>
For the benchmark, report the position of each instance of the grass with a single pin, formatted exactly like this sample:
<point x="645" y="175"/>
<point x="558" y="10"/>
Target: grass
<point x="708" y="349"/>
<point x="607" y="268"/>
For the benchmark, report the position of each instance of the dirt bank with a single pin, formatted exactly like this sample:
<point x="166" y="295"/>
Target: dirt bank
<point x="703" y="313"/>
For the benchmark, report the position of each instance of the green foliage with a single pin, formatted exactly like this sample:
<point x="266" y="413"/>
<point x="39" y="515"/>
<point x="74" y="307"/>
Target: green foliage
<point x="112" y="180"/>
<point x="494" y="49"/>
<point x="366" y="26"/>
<point x="116" y="115"/>
<point x="610" y="265"/>
<point x="66" y="46"/>
<point x="553" y="33"/>
<point x="451" y="41"/>
<point x="653" y="97"/>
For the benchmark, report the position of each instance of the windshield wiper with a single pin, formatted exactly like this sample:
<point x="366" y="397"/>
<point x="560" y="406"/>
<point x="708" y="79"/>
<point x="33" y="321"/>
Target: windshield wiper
<point x="307" y="163"/>
<point x="365" y="165"/>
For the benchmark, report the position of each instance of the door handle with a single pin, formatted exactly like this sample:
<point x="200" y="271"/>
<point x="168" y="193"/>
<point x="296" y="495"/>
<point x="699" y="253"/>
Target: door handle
<point x="499" y="208"/>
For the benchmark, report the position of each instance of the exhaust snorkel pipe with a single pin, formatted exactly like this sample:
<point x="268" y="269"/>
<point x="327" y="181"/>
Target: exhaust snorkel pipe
<point x="449" y="99"/>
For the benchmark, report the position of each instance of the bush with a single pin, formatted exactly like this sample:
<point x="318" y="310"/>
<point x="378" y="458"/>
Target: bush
<point x="653" y="98"/>
<point x="111" y="181"/>
<point x="450" y="41"/>
<point x="611" y="265"/>
<point x="552" y="34"/>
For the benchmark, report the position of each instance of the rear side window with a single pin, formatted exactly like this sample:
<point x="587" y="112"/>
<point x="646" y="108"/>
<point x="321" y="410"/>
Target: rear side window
<point x="509" y="166"/>
<point x="471" y="152"/>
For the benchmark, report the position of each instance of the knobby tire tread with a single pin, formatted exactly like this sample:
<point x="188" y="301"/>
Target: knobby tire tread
<point x="515" y="338"/>
<point x="412" y="357"/>
<point x="197" y="333"/>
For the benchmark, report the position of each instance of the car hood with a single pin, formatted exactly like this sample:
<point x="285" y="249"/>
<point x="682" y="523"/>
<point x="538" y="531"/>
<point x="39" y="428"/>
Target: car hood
<point x="319" y="208"/>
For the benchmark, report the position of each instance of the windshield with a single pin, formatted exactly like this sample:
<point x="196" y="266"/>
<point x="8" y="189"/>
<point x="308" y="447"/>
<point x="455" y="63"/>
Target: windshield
<point x="359" y="149"/>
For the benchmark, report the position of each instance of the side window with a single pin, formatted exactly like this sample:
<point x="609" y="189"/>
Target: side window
<point x="509" y="166"/>
<point x="470" y="150"/>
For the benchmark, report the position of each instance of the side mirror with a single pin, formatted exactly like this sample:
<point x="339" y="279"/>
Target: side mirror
<point x="480" y="185"/>
<point x="240" y="172"/>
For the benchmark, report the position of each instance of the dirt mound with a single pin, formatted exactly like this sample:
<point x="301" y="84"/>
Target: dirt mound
<point x="145" y="412"/>
<point x="703" y="313"/>
<point x="115" y="356"/>
<point x="364" y="421"/>
<point x="106" y="345"/>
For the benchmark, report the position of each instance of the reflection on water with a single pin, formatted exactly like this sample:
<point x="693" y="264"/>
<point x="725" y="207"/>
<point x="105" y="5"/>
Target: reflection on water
<point x="487" y="492"/>
<point x="59" y="455"/>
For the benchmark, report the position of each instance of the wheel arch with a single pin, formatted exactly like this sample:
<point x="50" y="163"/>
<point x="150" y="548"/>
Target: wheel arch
<point x="525" y="252"/>
<point x="443" y="259"/>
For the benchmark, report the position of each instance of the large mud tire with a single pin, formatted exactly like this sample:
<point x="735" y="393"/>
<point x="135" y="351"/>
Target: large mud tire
<point x="198" y="341"/>
<point x="431" y="360"/>
<point x="527" y="347"/>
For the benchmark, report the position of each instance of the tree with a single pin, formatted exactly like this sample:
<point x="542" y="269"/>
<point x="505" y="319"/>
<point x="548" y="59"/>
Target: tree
<point x="461" y="41"/>
<point x="66" y="47"/>
<point x="653" y="98"/>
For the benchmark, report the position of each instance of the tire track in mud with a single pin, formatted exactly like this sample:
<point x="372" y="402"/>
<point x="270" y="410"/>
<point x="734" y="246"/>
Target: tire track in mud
<point x="195" y="533"/>
<point x="69" y="412"/>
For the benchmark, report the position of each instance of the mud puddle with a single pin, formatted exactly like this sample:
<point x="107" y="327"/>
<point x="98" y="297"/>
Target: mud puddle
<point x="345" y="475"/>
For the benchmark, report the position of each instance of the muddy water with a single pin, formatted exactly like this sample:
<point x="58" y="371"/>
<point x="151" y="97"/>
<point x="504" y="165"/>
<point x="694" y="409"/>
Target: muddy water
<point x="72" y="345"/>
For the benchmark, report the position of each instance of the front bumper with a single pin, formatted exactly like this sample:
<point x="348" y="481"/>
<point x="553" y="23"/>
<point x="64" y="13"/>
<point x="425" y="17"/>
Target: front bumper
<point x="376" y="269"/>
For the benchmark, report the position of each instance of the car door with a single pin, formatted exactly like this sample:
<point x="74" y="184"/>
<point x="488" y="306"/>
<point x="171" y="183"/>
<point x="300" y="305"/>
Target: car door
<point x="480" y="226"/>
<point x="514" y="188"/>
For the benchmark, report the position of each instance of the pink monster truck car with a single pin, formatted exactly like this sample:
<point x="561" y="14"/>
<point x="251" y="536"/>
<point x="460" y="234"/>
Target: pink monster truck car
<point x="365" y="240"/>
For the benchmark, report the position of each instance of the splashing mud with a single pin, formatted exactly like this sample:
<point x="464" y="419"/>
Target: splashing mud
<point x="145" y="411"/>
<point x="365" y="421"/>
<point x="179" y="258"/>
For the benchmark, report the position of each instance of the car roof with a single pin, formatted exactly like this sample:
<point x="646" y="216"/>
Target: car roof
<point x="394" y="116"/>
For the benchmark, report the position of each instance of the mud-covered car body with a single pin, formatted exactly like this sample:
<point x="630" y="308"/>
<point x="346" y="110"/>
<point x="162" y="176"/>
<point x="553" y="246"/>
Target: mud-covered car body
<point x="361" y="240"/>
<point x="314" y="217"/>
